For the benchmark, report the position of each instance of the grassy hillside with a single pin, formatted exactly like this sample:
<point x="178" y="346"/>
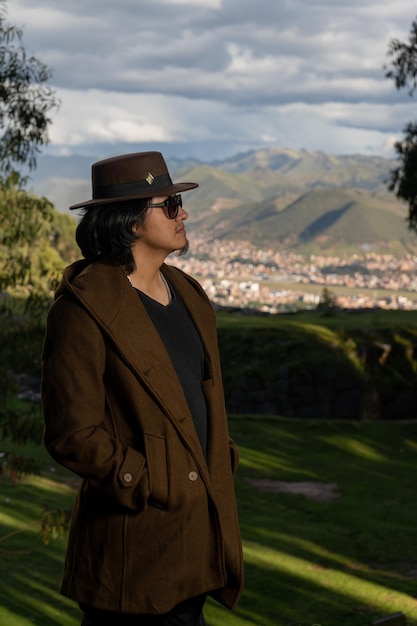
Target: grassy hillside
<point x="319" y="220"/>
<point x="329" y="217"/>
<point x="307" y="201"/>
<point x="327" y="507"/>
<point x="300" y="200"/>
<point x="349" y="365"/>
<point x="327" y="513"/>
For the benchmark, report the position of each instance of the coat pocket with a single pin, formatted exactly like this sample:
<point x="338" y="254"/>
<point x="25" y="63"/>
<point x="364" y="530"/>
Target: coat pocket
<point x="157" y="469"/>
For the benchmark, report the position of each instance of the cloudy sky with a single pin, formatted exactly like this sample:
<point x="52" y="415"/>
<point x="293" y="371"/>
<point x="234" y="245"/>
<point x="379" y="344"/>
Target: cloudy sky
<point x="210" y="78"/>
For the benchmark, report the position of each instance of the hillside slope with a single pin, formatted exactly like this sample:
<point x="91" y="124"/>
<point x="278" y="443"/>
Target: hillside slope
<point x="332" y="217"/>
<point x="298" y="199"/>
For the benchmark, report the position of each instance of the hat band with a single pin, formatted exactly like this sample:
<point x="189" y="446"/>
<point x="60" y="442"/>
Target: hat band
<point x="130" y="189"/>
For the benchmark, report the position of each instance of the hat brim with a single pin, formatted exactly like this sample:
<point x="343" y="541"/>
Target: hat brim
<point x="163" y="191"/>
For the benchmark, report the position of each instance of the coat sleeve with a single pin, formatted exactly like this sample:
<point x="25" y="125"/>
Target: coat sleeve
<point x="73" y="400"/>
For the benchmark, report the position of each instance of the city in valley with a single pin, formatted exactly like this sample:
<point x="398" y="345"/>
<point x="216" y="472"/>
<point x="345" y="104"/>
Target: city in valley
<point x="237" y="274"/>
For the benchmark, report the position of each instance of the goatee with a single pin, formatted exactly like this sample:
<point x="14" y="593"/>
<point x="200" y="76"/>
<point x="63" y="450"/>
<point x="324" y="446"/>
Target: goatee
<point x="184" y="249"/>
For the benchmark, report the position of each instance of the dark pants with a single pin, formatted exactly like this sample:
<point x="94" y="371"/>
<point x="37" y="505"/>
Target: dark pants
<point x="188" y="613"/>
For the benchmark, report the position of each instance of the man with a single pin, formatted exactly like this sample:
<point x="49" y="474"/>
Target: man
<point x="133" y="403"/>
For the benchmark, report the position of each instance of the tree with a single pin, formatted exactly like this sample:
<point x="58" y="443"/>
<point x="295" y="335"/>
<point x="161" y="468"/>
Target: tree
<point x="25" y="103"/>
<point x="28" y="257"/>
<point x="328" y="302"/>
<point x="403" y="71"/>
<point x="36" y="243"/>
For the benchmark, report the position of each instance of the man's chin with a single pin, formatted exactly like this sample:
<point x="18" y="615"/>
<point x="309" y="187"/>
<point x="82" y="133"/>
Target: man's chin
<point x="184" y="249"/>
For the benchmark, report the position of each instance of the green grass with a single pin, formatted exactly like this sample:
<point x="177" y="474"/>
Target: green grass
<point x="261" y="352"/>
<point x="342" y="321"/>
<point x="345" y="561"/>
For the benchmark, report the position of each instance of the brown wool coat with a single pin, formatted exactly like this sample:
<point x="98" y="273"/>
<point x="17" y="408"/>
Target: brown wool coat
<point x="153" y="522"/>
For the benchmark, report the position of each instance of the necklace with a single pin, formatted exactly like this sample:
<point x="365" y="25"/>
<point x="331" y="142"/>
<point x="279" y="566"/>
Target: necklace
<point x="164" y="280"/>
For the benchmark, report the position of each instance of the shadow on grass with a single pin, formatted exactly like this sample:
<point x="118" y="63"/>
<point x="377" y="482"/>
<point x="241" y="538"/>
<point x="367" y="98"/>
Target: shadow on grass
<point x="30" y="572"/>
<point x="345" y="561"/>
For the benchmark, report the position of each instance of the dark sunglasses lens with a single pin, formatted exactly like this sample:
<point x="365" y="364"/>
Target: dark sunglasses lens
<point x="173" y="205"/>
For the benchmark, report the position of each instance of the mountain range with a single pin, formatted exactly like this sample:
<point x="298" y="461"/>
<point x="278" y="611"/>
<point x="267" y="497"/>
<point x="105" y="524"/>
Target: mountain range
<point x="298" y="200"/>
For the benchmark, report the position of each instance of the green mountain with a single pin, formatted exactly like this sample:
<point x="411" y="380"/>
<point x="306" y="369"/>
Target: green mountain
<point x="301" y="200"/>
<point x="333" y="218"/>
<point x="306" y="202"/>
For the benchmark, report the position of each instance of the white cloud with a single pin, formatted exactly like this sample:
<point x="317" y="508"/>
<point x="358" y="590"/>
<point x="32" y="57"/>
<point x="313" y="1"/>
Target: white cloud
<point x="212" y="4"/>
<point x="89" y="118"/>
<point x="235" y="72"/>
<point x="98" y="117"/>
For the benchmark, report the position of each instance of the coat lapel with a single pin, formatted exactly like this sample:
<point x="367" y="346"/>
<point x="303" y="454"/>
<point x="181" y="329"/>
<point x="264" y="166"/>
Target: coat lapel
<point x="109" y="297"/>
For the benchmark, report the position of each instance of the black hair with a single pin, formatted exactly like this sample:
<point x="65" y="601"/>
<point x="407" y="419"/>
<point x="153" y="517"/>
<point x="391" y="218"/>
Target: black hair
<point x="105" y="231"/>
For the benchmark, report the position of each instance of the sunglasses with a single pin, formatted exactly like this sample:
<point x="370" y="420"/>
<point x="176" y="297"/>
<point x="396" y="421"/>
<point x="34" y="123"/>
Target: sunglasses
<point x="170" y="206"/>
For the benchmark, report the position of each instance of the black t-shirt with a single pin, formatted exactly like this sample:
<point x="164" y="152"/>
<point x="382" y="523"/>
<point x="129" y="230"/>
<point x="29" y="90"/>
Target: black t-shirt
<point x="185" y="349"/>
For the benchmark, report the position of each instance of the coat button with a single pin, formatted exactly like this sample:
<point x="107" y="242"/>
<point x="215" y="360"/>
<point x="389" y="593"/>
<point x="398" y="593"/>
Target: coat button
<point x="193" y="476"/>
<point x="128" y="477"/>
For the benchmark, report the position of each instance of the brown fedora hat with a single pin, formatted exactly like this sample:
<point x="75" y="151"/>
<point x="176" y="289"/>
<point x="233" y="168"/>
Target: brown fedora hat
<point x="131" y="176"/>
